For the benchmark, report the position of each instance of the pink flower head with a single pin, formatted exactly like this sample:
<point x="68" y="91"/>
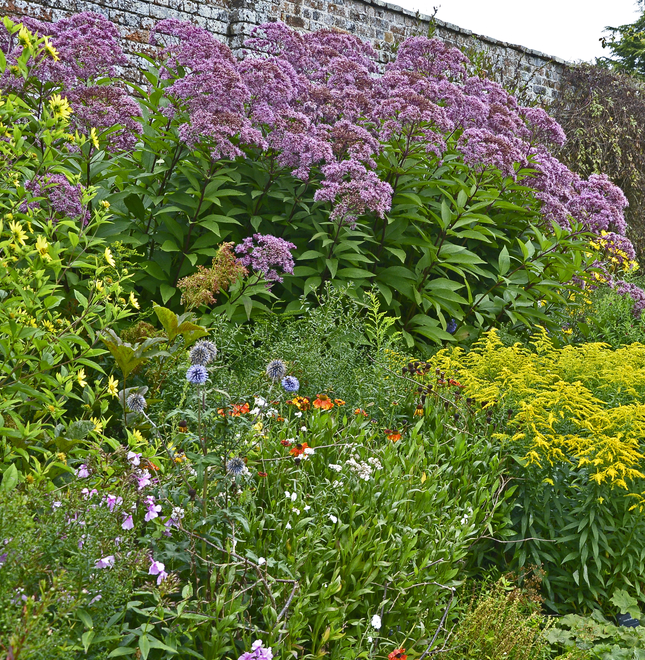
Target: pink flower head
<point x="143" y="480"/>
<point x="105" y="562"/>
<point x="134" y="458"/>
<point x="127" y="523"/>
<point x="153" y="509"/>
<point x="82" y="472"/>
<point x="113" y="501"/>
<point x="157" y="568"/>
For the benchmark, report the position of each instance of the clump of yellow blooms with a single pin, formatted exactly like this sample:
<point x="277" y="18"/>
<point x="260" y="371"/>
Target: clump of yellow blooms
<point x="582" y="405"/>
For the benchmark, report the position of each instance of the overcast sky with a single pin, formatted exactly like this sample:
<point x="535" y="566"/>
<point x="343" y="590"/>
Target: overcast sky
<point x="570" y="29"/>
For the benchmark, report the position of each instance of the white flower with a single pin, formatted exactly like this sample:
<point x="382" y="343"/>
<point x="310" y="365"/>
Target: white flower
<point x="297" y="511"/>
<point x="294" y="496"/>
<point x="303" y="429"/>
<point x="261" y="560"/>
<point x="333" y="518"/>
<point x="260" y="402"/>
<point x="288" y="525"/>
<point x="369" y="639"/>
<point x="309" y="451"/>
<point x="376" y="622"/>
<point x="307" y="507"/>
<point x="255" y="412"/>
<point x="298" y="414"/>
<point x="335" y="467"/>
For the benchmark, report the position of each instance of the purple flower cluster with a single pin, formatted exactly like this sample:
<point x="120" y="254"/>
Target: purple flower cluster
<point x="88" y="47"/>
<point x="635" y="293"/>
<point x="63" y="198"/>
<point x="267" y="254"/>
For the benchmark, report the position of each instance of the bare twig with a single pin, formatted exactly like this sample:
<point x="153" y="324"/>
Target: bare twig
<point x="443" y="620"/>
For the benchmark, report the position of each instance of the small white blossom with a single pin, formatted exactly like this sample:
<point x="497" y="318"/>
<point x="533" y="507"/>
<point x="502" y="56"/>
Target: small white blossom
<point x="309" y="451"/>
<point x="260" y="402"/>
<point x="335" y="467"/>
<point x="261" y="560"/>
<point x="288" y="525"/>
<point x="303" y="429"/>
<point x="297" y="511"/>
<point x="307" y="507"/>
<point x="333" y="518"/>
<point x="298" y="414"/>
<point x="376" y="622"/>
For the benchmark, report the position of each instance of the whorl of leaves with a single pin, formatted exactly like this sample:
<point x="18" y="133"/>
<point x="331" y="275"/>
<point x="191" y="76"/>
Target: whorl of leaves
<point x="603" y="115"/>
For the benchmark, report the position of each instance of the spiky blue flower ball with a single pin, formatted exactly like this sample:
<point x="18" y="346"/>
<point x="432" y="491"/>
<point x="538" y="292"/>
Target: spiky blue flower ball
<point x="197" y="374"/>
<point x="290" y="384"/>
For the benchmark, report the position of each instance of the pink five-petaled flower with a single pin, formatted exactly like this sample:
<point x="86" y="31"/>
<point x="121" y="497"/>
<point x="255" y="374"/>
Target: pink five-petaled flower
<point x="82" y="472"/>
<point x="157" y="568"/>
<point x="127" y="523"/>
<point x="134" y="458"/>
<point x="143" y="479"/>
<point x="258" y="652"/>
<point x="153" y="509"/>
<point x="88" y="494"/>
<point x="112" y="501"/>
<point x="105" y="562"/>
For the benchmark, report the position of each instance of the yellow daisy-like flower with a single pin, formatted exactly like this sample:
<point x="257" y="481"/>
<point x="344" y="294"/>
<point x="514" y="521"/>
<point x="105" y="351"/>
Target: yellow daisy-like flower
<point x="113" y="386"/>
<point x="109" y="258"/>
<point x="137" y="435"/>
<point x="258" y="427"/>
<point x="18" y="232"/>
<point x="50" y="50"/>
<point x="98" y="425"/>
<point x="48" y="325"/>
<point x="94" y="138"/>
<point x="60" y="107"/>
<point x="133" y="301"/>
<point x="104" y="204"/>
<point x="80" y="377"/>
<point x="99" y="286"/>
<point x="43" y="248"/>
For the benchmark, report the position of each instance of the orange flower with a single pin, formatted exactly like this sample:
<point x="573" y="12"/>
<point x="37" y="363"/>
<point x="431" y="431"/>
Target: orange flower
<point x="301" y="402"/>
<point x="339" y="402"/>
<point x="151" y="466"/>
<point x="262" y="474"/>
<point x="360" y="411"/>
<point x="455" y="383"/>
<point x="397" y="654"/>
<point x="298" y="449"/>
<point x="392" y="435"/>
<point x="323" y="402"/>
<point x="239" y="409"/>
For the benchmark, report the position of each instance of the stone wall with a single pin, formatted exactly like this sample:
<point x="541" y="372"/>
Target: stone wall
<point x="382" y="23"/>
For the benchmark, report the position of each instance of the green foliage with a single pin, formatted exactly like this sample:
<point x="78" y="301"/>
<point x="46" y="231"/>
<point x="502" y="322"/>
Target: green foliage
<point x="608" y="318"/>
<point x="503" y="623"/>
<point x="603" y="114"/>
<point x="57" y="292"/>
<point x="597" y="637"/>
<point x="627" y="45"/>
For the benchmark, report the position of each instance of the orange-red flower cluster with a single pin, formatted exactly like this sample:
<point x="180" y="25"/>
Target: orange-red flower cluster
<point x="323" y="402"/>
<point x="397" y="654"/>
<point x="238" y="409"/>
<point x="392" y="435"/>
<point x="299" y="449"/>
<point x="360" y="411"/>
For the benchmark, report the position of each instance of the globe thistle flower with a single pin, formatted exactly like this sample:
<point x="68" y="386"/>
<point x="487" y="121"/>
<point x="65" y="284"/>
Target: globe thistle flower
<point x="203" y="352"/>
<point x="290" y="384"/>
<point x="136" y="403"/>
<point x="276" y="370"/>
<point x="197" y="374"/>
<point x="236" y="467"/>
